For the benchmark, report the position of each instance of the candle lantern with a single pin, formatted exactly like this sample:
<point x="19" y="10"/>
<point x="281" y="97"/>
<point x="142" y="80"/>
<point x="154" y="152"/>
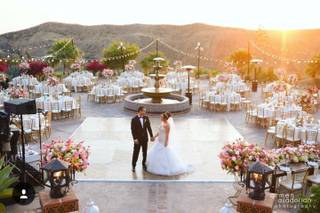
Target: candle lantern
<point x="256" y="180"/>
<point x="58" y="174"/>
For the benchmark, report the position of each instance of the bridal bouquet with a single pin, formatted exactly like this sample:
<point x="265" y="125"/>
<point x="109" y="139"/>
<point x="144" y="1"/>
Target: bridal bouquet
<point x="76" y="154"/>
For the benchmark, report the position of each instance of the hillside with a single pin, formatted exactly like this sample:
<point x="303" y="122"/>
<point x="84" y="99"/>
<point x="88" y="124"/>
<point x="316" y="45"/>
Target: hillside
<point x="218" y="42"/>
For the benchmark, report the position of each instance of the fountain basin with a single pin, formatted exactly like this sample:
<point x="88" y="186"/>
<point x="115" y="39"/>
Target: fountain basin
<point x="157" y="94"/>
<point x="171" y="103"/>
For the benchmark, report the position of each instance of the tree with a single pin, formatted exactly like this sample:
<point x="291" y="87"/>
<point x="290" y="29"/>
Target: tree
<point x="95" y="66"/>
<point x="240" y="58"/>
<point x="63" y="51"/>
<point x="147" y="62"/>
<point x="3" y="67"/>
<point x="313" y="69"/>
<point x="120" y="55"/>
<point x="36" y="68"/>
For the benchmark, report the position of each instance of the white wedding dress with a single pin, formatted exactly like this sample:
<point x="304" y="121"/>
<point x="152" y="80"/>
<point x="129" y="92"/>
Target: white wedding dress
<point x="163" y="160"/>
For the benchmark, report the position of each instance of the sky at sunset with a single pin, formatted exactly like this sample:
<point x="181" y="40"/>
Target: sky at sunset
<point x="253" y="14"/>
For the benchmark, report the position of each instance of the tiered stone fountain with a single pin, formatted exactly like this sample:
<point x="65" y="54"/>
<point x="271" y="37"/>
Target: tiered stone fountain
<point x="157" y="99"/>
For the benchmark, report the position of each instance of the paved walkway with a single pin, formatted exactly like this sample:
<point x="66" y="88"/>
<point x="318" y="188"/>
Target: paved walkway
<point x="145" y="196"/>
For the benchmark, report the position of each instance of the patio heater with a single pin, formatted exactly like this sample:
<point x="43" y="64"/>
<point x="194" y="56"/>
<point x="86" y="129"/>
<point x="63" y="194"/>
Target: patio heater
<point x="257" y="62"/>
<point x="189" y="69"/>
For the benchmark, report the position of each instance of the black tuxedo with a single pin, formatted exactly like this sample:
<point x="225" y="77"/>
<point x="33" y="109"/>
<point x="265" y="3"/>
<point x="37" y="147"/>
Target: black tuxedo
<point x="140" y="133"/>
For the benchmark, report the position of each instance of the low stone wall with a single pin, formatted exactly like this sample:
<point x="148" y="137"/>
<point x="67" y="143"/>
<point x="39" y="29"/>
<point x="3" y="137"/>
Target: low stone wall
<point x="183" y="105"/>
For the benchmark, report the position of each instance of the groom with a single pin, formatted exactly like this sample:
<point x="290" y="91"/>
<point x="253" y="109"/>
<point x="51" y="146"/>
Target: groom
<point x="140" y="126"/>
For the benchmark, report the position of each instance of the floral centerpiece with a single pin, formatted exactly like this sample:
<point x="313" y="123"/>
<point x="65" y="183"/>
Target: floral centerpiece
<point x="292" y="79"/>
<point x="18" y="92"/>
<point x="95" y="66"/>
<point x="75" y="66"/>
<point x="300" y="154"/>
<point x="279" y="87"/>
<point x="306" y="102"/>
<point x="313" y="90"/>
<point x="76" y="154"/>
<point x="236" y="157"/>
<point x="223" y="78"/>
<point x="24" y="66"/>
<point x="48" y="71"/>
<point x="107" y="73"/>
<point x="52" y="81"/>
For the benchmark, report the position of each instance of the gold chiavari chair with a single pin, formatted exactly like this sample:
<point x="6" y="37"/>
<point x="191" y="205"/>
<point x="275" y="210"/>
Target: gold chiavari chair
<point x="67" y="111"/>
<point x="56" y="113"/>
<point x="77" y="108"/>
<point x="295" y="181"/>
<point x="48" y="119"/>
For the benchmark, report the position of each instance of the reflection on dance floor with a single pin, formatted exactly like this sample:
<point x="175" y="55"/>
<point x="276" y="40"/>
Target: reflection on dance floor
<point x="111" y="145"/>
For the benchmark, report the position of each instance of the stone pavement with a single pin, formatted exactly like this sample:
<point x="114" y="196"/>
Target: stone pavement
<point x="147" y="196"/>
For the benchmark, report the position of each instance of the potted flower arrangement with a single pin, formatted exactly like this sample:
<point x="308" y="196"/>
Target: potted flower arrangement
<point x="76" y="154"/>
<point x="236" y="157"/>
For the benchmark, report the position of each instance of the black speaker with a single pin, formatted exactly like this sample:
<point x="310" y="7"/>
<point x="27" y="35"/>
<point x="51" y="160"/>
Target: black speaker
<point x="4" y="123"/>
<point x="20" y="106"/>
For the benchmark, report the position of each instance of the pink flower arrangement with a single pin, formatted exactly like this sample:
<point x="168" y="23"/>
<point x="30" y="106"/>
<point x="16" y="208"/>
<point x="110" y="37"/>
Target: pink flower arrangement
<point x="235" y="157"/>
<point x="313" y="90"/>
<point x="24" y="66"/>
<point x="18" y="92"/>
<point x="107" y="73"/>
<point x="280" y="87"/>
<point x="52" y="81"/>
<point x="302" y="153"/>
<point x="76" y="154"/>
<point x="48" y="70"/>
<point x="292" y="79"/>
<point x="75" y="66"/>
<point x="223" y="78"/>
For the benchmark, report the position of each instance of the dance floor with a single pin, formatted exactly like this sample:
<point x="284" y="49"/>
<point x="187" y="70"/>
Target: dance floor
<point x="199" y="142"/>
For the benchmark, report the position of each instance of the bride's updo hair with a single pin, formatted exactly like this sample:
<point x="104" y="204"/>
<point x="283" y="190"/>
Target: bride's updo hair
<point x="166" y="115"/>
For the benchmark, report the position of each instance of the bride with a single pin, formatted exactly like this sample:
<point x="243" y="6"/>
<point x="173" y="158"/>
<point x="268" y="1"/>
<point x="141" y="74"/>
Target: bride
<point x="163" y="159"/>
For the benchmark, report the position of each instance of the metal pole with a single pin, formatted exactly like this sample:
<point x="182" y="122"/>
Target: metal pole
<point x="198" y="60"/>
<point x="157" y="48"/>
<point x="248" y="62"/>
<point x="23" y="151"/>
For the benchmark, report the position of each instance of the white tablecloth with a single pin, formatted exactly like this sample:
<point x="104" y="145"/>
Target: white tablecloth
<point x="44" y="88"/>
<point x="24" y="80"/>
